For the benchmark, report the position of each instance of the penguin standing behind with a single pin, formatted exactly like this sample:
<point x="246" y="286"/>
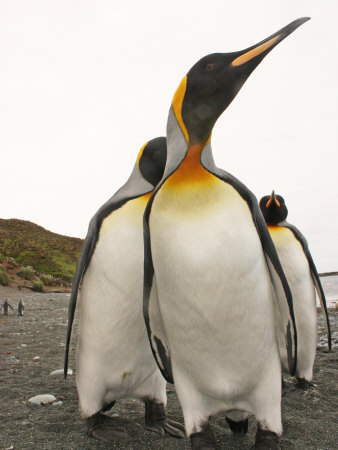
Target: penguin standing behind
<point x="211" y="266"/>
<point x="302" y="276"/>
<point x="21" y="307"/>
<point x="5" y="307"/>
<point x="114" y="359"/>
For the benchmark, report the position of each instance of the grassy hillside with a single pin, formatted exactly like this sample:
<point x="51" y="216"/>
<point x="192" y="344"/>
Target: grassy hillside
<point x="32" y="245"/>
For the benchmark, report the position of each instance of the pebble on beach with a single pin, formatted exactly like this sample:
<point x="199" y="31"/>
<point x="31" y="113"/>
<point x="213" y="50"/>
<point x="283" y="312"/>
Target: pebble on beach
<point x="25" y="423"/>
<point x="60" y="372"/>
<point x="43" y="399"/>
<point x="36" y="358"/>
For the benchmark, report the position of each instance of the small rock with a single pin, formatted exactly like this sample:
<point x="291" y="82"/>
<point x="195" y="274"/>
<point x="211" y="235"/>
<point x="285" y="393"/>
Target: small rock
<point x="25" y="424"/>
<point x="115" y="415"/>
<point x="36" y="358"/>
<point x="43" y="399"/>
<point x="8" y="352"/>
<point x="60" y="372"/>
<point x="23" y="345"/>
<point x="12" y="358"/>
<point x="60" y="403"/>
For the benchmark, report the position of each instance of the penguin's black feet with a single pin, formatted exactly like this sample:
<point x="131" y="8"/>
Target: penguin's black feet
<point x="304" y="384"/>
<point x="156" y="420"/>
<point x="204" y="440"/>
<point x="101" y="427"/>
<point x="266" y="440"/>
<point x="240" y="427"/>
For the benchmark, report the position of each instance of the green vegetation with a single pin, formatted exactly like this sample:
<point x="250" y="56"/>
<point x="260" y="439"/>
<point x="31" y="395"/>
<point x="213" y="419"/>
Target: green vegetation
<point x="37" y="286"/>
<point x="26" y="272"/>
<point x="27" y="244"/>
<point x="3" y="275"/>
<point x="11" y="261"/>
<point x="47" y="280"/>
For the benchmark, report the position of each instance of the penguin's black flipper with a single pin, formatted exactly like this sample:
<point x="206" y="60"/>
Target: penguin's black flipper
<point x="87" y="251"/>
<point x="320" y="291"/>
<point x="151" y="312"/>
<point x="279" y="281"/>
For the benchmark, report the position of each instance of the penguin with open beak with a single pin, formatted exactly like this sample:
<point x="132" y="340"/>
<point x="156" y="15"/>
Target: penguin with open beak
<point x="303" y="279"/>
<point x="212" y="273"/>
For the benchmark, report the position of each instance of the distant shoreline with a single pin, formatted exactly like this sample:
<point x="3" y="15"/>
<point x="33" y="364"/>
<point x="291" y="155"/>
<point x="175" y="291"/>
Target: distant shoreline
<point x="328" y="274"/>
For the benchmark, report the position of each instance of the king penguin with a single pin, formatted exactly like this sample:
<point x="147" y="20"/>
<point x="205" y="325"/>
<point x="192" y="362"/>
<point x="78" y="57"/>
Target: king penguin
<point x="211" y="266"/>
<point x="303" y="279"/>
<point x="114" y="359"/>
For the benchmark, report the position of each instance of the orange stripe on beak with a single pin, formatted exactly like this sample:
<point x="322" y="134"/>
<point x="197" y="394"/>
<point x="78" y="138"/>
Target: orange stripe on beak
<point x="254" y="52"/>
<point x="269" y="202"/>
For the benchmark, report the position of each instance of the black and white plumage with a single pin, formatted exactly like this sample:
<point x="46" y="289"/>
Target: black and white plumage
<point x="303" y="279"/>
<point x="211" y="269"/>
<point x="114" y="359"/>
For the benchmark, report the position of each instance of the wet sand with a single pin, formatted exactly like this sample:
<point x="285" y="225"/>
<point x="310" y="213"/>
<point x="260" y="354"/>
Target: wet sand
<point x="309" y="418"/>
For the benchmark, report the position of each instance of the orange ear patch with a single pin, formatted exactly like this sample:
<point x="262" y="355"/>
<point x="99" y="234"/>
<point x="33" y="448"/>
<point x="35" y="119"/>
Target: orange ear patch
<point x="177" y="106"/>
<point x="140" y="153"/>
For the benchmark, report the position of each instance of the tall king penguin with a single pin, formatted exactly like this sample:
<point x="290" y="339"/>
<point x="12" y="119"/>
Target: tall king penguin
<point x="302" y="276"/>
<point x="114" y="359"/>
<point x="211" y="266"/>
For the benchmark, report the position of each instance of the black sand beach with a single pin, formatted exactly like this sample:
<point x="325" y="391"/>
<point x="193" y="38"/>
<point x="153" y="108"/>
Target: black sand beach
<point x="309" y="418"/>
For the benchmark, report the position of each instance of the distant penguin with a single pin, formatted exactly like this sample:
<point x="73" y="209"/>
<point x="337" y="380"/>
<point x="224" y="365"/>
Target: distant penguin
<point x="5" y="307"/>
<point x="302" y="276"/>
<point x="211" y="266"/>
<point x="114" y="359"/>
<point x="21" y="307"/>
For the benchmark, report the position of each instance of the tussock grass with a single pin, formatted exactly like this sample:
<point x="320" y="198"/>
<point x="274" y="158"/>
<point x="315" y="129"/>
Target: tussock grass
<point x="37" y="286"/>
<point x="26" y="273"/>
<point x="4" y="278"/>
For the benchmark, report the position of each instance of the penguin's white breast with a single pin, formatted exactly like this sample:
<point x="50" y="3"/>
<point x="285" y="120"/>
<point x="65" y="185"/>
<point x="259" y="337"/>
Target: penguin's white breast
<point x="111" y="328"/>
<point x="211" y="274"/>
<point x="297" y="271"/>
<point x="291" y="254"/>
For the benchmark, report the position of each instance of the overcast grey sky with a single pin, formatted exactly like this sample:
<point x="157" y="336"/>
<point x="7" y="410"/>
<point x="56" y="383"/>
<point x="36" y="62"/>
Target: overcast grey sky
<point x="84" y="84"/>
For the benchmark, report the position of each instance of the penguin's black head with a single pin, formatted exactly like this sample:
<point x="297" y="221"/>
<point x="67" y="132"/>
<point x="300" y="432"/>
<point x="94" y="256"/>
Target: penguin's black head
<point x="214" y="81"/>
<point x="273" y="208"/>
<point x="151" y="160"/>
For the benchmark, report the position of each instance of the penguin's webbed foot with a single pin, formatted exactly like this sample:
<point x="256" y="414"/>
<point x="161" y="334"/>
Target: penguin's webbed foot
<point x="266" y="440"/>
<point x="100" y="427"/>
<point x="166" y="426"/>
<point x="204" y="440"/>
<point x="240" y="427"/>
<point x="157" y="421"/>
<point x="304" y="384"/>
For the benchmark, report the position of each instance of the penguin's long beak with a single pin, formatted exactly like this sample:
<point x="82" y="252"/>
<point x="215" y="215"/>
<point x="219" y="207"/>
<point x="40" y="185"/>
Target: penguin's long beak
<point x="273" y="198"/>
<point x="264" y="47"/>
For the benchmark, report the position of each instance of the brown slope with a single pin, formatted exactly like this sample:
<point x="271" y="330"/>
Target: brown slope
<point x="32" y="245"/>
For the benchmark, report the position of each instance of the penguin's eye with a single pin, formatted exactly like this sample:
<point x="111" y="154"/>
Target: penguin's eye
<point x="210" y="66"/>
